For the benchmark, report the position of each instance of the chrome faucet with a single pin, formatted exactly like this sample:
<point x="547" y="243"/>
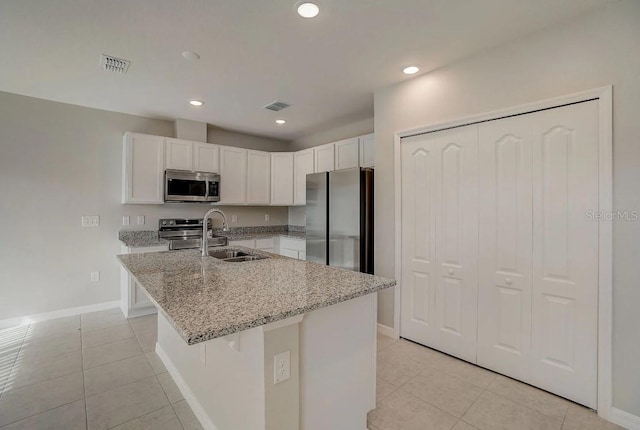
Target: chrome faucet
<point x="205" y="224"/>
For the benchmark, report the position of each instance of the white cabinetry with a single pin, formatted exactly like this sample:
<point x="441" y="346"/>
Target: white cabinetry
<point x="258" y="177"/>
<point x="367" y="150"/>
<point x="303" y="165"/>
<point x="233" y="175"/>
<point x="294" y="248"/>
<point x="143" y="169"/>
<point x="248" y="243"/>
<point x="323" y="156"/>
<point x="266" y="244"/>
<point x="347" y="154"/>
<point x="206" y="157"/>
<point x="179" y="154"/>
<point x="282" y="178"/>
<point x="133" y="300"/>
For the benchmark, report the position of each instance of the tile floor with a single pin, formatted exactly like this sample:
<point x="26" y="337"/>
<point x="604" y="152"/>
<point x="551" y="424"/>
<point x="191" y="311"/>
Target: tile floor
<point x="94" y="371"/>
<point x="420" y="388"/>
<point x="100" y="371"/>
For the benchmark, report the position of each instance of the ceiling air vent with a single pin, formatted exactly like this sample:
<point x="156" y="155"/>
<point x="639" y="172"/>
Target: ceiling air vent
<point x="277" y="106"/>
<point x="113" y="64"/>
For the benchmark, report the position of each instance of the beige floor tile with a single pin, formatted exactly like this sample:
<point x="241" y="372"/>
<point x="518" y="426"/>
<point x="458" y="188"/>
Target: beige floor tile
<point x="37" y="398"/>
<point x="397" y="368"/>
<point x="53" y="328"/>
<point x="107" y="335"/>
<point x="26" y="373"/>
<point x="155" y="362"/>
<point x="444" y="391"/>
<point x="110" y="352"/>
<point x="529" y="396"/>
<point x="116" y="374"/>
<point x="418" y="352"/>
<point x="493" y="412"/>
<point x="162" y="419"/>
<point x="145" y="324"/>
<point x="461" y="369"/>
<point x="147" y="341"/>
<point x="461" y="425"/>
<point x="170" y="388"/>
<point x="384" y="341"/>
<point x="68" y="417"/>
<point x="100" y="314"/>
<point x="186" y="416"/>
<point x="42" y="352"/>
<point x="383" y="389"/>
<point x="402" y="411"/>
<point x="111" y="408"/>
<point x="581" y="418"/>
<point x="102" y="321"/>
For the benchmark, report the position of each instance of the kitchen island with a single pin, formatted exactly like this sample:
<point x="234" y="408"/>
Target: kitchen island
<point x="222" y="324"/>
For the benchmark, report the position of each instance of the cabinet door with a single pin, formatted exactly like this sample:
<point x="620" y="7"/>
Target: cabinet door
<point x="233" y="175"/>
<point x="323" y="156"/>
<point x="206" y="157"/>
<point x="440" y="240"/>
<point x="179" y="154"/>
<point x="367" y="150"/>
<point x="303" y="161"/>
<point x="259" y="178"/>
<point x="143" y="169"/>
<point x="282" y="178"/>
<point x="267" y="244"/>
<point x="347" y="154"/>
<point x="289" y="253"/>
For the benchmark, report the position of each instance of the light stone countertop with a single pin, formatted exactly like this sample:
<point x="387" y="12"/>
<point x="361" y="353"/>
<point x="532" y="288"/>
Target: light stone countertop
<point x="206" y="298"/>
<point x="140" y="238"/>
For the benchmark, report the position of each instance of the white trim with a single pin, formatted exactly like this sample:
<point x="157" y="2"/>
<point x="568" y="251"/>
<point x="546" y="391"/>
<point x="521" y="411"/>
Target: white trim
<point x="605" y="183"/>
<point x="385" y="330"/>
<point x="188" y="395"/>
<point x="69" y="312"/>
<point x="625" y="419"/>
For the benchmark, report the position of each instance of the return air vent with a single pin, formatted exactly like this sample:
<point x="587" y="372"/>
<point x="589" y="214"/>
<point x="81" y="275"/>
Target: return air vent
<point x="113" y="64"/>
<point x="277" y="106"/>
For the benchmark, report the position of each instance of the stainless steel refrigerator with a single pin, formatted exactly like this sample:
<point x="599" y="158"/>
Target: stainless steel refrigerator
<point x="340" y="219"/>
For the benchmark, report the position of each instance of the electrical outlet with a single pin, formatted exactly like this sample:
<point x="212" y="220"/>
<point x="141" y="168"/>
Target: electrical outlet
<point x="266" y="217"/>
<point x="125" y="220"/>
<point x="95" y="276"/>
<point x="140" y="219"/>
<point x="91" y="221"/>
<point x="234" y="218"/>
<point x="281" y="367"/>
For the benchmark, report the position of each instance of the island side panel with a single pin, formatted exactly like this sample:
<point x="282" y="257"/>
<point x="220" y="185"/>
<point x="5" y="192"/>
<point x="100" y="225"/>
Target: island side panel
<point x="338" y="365"/>
<point x="223" y="386"/>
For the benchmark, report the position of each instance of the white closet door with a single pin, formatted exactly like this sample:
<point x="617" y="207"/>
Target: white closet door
<point x="505" y="243"/>
<point x="440" y="240"/>
<point x="565" y="251"/>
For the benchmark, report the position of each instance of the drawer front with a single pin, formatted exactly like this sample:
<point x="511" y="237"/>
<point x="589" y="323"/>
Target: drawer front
<point x="267" y="243"/>
<point x="294" y="244"/>
<point x="289" y="253"/>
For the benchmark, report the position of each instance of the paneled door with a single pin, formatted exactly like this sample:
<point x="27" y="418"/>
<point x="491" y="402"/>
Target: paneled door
<point x="505" y="235"/>
<point x="440" y="240"/>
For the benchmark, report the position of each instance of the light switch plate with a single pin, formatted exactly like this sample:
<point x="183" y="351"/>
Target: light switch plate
<point x="95" y="276"/>
<point x="91" y="221"/>
<point x="281" y="367"/>
<point x="266" y="217"/>
<point x="140" y="219"/>
<point x="125" y="220"/>
<point x="234" y="218"/>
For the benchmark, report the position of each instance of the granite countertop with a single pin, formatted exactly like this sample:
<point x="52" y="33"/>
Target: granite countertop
<point x="140" y="238"/>
<point x="206" y="298"/>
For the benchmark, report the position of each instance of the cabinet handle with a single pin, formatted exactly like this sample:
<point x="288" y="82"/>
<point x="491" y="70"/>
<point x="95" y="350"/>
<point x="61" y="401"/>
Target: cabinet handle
<point x="508" y="281"/>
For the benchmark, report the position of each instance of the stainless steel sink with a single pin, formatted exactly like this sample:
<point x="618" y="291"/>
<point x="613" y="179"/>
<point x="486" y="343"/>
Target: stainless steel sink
<point x="234" y="255"/>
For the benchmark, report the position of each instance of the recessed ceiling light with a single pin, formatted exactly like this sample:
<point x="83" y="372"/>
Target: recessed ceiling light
<point x="410" y="70"/>
<point x="190" y="55"/>
<point x="308" y="10"/>
<point x="195" y="103"/>
<point x="280" y="121"/>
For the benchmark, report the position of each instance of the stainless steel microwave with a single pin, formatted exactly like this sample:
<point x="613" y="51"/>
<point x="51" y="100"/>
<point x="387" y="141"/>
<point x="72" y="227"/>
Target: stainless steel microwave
<point x="185" y="186"/>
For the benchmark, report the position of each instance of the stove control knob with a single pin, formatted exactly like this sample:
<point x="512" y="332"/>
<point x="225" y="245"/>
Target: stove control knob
<point x="172" y="222"/>
<point x="164" y="223"/>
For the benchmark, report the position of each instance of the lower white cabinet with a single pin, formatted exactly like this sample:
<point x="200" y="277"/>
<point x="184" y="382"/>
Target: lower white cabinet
<point x="288" y="247"/>
<point x="248" y="243"/>
<point x="133" y="300"/>
<point x="293" y="248"/>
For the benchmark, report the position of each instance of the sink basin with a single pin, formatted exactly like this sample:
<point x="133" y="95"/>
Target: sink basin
<point x="234" y="256"/>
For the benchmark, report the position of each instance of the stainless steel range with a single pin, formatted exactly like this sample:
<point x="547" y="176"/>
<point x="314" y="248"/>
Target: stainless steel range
<point x="186" y="233"/>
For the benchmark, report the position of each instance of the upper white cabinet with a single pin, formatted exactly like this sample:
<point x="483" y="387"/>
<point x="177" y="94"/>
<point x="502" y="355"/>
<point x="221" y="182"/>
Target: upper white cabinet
<point x="346" y="154"/>
<point x="233" y="175"/>
<point x="282" y="178"/>
<point x="143" y="168"/>
<point x="323" y="156"/>
<point x="258" y="177"/>
<point x="206" y="157"/>
<point x="303" y="165"/>
<point x="179" y="154"/>
<point x="367" y="150"/>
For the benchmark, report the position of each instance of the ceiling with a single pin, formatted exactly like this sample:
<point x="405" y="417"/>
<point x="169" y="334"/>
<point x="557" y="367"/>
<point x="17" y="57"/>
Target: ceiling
<point x="252" y="53"/>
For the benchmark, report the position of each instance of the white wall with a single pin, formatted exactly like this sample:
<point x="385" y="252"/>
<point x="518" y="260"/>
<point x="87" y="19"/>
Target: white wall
<point x="593" y="50"/>
<point x="353" y="129"/>
<point x="57" y="163"/>
<point x="222" y="136"/>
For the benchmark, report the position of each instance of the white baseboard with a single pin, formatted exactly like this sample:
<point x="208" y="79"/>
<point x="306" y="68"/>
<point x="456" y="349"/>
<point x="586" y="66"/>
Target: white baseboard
<point x="386" y="331"/>
<point x="625" y="419"/>
<point x="69" y="312"/>
<point x="188" y="395"/>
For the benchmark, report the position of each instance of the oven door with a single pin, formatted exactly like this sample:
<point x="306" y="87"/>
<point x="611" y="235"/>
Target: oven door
<point x="182" y="186"/>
